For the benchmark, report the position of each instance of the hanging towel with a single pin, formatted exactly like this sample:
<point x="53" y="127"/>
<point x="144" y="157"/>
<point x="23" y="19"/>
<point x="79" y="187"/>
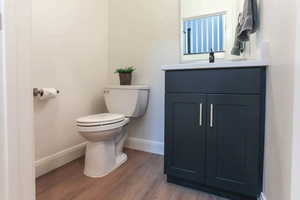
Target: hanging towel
<point x="249" y="20"/>
<point x="247" y="24"/>
<point x="238" y="46"/>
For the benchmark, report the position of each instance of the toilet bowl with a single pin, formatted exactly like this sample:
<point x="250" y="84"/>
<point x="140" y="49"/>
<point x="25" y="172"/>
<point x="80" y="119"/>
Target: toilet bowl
<point x="106" y="139"/>
<point x="106" y="133"/>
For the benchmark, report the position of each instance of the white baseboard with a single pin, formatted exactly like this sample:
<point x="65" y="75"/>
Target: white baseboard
<point x="59" y="159"/>
<point x="145" y="145"/>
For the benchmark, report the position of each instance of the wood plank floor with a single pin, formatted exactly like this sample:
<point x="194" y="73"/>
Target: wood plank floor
<point x="140" y="178"/>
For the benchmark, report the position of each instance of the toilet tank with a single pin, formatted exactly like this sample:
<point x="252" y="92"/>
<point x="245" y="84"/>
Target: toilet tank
<point x="132" y="100"/>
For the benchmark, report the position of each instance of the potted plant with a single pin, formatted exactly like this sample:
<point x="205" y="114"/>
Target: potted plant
<point x="125" y="75"/>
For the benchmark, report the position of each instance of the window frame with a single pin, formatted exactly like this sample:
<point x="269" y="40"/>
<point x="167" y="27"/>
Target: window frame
<point x="204" y="56"/>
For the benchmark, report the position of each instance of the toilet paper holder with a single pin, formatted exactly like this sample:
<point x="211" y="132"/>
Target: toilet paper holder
<point x="37" y="92"/>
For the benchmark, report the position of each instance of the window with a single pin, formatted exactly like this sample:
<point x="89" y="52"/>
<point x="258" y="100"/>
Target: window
<point x="203" y="34"/>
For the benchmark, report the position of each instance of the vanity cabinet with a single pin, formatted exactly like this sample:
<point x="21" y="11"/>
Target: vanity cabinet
<point x="214" y="130"/>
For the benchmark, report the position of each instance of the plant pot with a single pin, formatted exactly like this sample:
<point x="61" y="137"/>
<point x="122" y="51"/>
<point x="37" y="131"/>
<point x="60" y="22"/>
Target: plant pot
<point x="125" y="78"/>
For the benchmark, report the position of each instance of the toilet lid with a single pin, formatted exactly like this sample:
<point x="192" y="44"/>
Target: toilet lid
<point x="104" y="118"/>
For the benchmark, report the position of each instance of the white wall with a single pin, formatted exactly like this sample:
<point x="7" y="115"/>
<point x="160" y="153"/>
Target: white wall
<point x="193" y="8"/>
<point x="145" y="34"/>
<point x="280" y="95"/>
<point x="69" y="53"/>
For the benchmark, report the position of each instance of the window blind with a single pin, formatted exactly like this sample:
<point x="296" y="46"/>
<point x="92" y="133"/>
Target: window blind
<point x="203" y="34"/>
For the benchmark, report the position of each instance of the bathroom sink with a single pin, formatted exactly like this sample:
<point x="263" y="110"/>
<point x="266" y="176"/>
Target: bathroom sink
<point x="220" y="64"/>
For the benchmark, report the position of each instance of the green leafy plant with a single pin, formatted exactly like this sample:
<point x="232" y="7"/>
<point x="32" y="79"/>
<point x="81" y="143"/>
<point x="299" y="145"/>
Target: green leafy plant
<point x="125" y="70"/>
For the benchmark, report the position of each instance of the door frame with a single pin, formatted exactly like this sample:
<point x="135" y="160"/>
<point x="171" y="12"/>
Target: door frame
<point x="295" y="183"/>
<point x="17" y="136"/>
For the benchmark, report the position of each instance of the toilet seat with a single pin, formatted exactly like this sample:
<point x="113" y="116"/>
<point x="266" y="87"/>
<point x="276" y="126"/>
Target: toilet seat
<point x="100" y="119"/>
<point x="101" y="122"/>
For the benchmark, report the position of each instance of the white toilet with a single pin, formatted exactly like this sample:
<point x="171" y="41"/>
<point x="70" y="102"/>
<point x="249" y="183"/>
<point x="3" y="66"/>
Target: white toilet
<point x="106" y="133"/>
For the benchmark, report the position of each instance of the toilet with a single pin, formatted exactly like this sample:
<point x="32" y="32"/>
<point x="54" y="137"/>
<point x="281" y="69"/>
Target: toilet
<point x="107" y="132"/>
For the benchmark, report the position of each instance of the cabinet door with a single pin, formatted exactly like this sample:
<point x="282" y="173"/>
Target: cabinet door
<point x="185" y="136"/>
<point x="233" y="143"/>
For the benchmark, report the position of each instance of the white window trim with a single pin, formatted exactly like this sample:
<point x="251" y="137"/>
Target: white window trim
<point x="201" y="57"/>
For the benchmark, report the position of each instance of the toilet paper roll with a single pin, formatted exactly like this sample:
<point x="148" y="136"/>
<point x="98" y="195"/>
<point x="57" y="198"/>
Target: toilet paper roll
<point x="48" y="93"/>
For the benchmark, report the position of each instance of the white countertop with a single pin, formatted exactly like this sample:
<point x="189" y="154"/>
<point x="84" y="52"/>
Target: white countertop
<point x="217" y="64"/>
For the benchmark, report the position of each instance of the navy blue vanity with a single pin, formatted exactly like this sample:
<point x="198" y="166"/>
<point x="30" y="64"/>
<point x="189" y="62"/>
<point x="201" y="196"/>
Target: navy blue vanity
<point x="215" y="127"/>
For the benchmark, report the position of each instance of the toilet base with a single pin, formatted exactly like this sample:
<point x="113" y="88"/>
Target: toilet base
<point x="121" y="159"/>
<point x="103" y="157"/>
